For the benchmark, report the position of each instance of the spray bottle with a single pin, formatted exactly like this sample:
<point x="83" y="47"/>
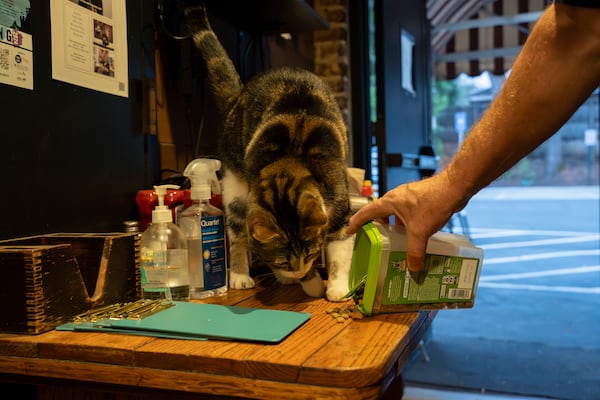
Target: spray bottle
<point x="164" y="255"/>
<point x="204" y="227"/>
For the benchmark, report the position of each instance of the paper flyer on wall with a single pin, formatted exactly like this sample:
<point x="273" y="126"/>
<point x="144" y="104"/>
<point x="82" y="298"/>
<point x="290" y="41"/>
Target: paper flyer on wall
<point x="89" y="44"/>
<point x="16" y="44"/>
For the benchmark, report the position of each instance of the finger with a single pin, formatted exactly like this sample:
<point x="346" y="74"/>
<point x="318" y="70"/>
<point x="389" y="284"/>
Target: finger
<point x="367" y="213"/>
<point x="415" y="252"/>
<point x="358" y="219"/>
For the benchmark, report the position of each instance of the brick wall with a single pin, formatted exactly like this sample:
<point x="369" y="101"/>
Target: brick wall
<point x="331" y="59"/>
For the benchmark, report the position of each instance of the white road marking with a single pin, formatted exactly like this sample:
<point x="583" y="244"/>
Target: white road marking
<point x="543" y="242"/>
<point x="479" y="233"/>
<point x="586" y="192"/>
<point x="565" y="237"/>
<point x="540" y="256"/>
<point x="542" y="288"/>
<point x="536" y="274"/>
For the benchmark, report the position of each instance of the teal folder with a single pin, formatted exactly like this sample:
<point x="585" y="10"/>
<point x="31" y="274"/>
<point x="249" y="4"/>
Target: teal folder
<point x="204" y="321"/>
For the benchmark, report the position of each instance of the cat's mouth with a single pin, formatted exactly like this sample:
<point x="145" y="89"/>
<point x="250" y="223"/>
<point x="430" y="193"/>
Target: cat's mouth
<point x="293" y="274"/>
<point x="298" y="275"/>
<point x="299" y="272"/>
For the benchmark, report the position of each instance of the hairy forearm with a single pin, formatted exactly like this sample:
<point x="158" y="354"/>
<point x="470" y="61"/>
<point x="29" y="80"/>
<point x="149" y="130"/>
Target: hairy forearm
<point x="558" y="68"/>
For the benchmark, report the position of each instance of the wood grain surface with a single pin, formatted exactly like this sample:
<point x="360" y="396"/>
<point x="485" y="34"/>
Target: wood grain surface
<point x="355" y="359"/>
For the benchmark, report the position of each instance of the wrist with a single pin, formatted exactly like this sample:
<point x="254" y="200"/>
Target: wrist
<point x="458" y="190"/>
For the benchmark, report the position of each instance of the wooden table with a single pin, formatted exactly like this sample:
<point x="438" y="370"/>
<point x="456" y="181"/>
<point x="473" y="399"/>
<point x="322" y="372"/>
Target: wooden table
<point x="323" y="359"/>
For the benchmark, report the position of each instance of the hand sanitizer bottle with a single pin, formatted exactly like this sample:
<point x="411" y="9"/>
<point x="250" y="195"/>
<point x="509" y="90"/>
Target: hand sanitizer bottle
<point x="164" y="255"/>
<point x="204" y="226"/>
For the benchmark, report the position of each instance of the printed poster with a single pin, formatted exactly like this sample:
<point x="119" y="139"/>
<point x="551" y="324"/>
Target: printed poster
<point x="89" y="44"/>
<point x="16" y="44"/>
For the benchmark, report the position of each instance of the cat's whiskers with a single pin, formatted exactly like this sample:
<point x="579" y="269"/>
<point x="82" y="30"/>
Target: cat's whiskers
<point x="268" y="278"/>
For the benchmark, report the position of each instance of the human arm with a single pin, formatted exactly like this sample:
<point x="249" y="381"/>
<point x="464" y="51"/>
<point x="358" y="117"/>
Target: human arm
<point x="557" y="69"/>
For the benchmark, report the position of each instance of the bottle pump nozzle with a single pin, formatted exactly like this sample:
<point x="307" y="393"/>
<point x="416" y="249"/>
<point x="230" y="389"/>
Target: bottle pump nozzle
<point x="202" y="173"/>
<point x="161" y="212"/>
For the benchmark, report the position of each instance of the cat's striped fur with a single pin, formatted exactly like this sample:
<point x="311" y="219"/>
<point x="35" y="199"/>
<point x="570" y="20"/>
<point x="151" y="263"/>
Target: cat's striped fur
<point x="285" y="190"/>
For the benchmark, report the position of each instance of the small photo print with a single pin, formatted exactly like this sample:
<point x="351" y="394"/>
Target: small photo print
<point x="103" y="34"/>
<point x="104" y="62"/>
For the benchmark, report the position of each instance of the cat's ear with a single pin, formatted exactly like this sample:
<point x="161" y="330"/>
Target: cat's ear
<point x="262" y="228"/>
<point x="313" y="218"/>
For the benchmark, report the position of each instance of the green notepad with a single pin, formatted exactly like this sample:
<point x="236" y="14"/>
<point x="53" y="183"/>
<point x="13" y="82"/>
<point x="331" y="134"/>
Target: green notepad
<point x="205" y="321"/>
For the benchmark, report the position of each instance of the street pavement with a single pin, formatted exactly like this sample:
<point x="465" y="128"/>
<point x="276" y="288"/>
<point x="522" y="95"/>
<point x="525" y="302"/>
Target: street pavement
<point x="535" y="327"/>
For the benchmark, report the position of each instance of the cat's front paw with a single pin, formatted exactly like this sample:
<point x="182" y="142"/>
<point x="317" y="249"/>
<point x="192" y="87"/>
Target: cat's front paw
<point x="339" y="261"/>
<point x="240" y="281"/>
<point x="336" y="290"/>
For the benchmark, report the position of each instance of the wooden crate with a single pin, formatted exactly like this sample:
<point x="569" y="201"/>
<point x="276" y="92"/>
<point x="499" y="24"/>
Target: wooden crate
<point x="48" y="279"/>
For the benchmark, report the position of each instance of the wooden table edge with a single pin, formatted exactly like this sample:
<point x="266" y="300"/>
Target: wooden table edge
<point x="23" y="369"/>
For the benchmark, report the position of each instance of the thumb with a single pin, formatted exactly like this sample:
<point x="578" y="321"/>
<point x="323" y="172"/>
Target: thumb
<point x="415" y="252"/>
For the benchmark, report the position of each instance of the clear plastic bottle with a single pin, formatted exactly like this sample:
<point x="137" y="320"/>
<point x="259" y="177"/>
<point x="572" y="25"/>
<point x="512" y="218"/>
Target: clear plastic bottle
<point x="204" y="227"/>
<point x="164" y="255"/>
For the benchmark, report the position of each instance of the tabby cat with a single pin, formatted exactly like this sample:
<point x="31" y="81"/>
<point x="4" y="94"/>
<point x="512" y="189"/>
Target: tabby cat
<point x="285" y="186"/>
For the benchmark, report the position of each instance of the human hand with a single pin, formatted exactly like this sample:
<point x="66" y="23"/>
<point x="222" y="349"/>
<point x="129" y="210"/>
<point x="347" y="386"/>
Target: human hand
<point x="423" y="207"/>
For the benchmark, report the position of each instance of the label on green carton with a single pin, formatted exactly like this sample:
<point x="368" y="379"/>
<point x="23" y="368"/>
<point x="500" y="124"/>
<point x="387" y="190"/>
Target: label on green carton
<point x="444" y="279"/>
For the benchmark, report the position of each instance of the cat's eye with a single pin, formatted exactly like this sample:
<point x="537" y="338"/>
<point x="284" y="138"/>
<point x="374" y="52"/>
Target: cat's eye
<point x="312" y="256"/>
<point x="280" y="260"/>
<point x="322" y="141"/>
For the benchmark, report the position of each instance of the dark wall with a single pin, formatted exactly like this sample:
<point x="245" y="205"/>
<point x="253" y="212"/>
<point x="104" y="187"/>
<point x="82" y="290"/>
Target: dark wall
<point x="406" y="115"/>
<point x="73" y="159"/>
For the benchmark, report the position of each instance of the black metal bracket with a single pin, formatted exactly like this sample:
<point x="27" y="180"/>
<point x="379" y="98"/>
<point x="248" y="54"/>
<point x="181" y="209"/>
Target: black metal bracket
<point x="425" y="161"/>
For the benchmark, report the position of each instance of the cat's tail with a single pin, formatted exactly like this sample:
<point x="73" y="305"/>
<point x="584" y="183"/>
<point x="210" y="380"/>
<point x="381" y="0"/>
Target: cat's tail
<point x="223" y="78"/>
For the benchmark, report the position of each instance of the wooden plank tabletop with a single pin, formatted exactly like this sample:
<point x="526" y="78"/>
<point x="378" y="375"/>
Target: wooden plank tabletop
<point x="321" y="359"/>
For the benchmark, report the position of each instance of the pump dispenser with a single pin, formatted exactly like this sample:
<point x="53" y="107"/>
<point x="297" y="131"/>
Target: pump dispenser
<point x="204" y="227"/>
<point x="164" y="254"/>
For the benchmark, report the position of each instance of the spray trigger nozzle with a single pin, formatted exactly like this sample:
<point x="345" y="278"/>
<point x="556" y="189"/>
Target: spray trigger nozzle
<point x="202" y="173"/>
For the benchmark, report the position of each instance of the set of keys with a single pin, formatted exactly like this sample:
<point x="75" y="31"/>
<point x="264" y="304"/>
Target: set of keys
<point x="134" y="310"/>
